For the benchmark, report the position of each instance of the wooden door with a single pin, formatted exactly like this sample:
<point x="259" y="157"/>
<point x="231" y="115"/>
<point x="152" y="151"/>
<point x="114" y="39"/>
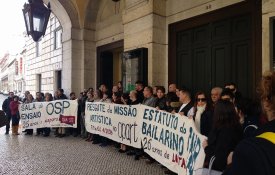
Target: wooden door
<point x="218" y="47"/>
<point x="214" y="54"/>
<point x="106" y="69"/>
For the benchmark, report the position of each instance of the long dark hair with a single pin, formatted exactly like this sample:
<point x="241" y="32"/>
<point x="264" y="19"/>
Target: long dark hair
<point x="225" y="115"/>
<point x="196" y="102"/>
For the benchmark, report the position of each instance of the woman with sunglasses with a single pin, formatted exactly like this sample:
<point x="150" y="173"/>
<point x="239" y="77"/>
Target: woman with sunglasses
<point x="202" y="113"/>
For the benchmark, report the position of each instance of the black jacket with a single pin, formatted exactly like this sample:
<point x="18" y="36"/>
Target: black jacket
<point x="254" y="156"/>
<point x="140" y="96"/>
<point x="186" y="109"/>
<point x="220" y="143"/>
<point x="206" y="122"/>
<point x="6" y="106"/>
<point x="161" y="103"/>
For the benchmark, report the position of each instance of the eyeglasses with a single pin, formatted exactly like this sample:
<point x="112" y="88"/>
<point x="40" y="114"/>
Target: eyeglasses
<point x="201" y="99"/>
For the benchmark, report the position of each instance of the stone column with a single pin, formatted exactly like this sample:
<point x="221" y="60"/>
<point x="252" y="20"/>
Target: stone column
<point x="79" y="63"/>
<point x="144" y="26"/>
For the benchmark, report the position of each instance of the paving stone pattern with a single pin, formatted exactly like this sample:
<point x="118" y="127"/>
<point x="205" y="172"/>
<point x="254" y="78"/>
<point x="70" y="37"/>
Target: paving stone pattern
<point x="37" y="155"/>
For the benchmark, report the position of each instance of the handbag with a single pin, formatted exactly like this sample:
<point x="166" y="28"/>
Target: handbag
<point x="208" y="171"/>
<point x="3" y="119"/>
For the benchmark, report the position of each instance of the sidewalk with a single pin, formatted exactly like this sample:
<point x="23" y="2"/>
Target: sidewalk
<point x="25" y="155"/>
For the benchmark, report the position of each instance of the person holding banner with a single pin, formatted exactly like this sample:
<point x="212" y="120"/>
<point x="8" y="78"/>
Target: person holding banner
<point x="97" y="98"/>
<point x="89" y="99"/>
<point x="149" y="100"/>
<point x="46" y="131"/>
<point x="133" y="98"/>
<point x="15" y="115"/>
<point x="161" y="99"/>
<point x="61" y="96"/>
<point x="226" y="133"/>
<point x="29" y="100"/>
<point x="39" y="98"/>
<point x="203" y="113"/>
<point x="186" y="108"/>
<point x="125" y="99"/>
<point x="105" y="99"/>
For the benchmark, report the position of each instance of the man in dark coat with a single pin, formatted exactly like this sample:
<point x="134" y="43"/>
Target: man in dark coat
<point x="6" y="109"/>
<point x="139" y="89"/>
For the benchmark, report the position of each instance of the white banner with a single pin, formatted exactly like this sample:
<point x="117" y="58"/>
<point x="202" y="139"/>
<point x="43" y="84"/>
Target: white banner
<point x="172" y="140"/>
<point x="120" y="123"/>
<point x="59" y="113"/>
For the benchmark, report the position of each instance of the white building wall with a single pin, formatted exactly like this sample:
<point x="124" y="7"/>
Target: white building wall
<point x="47" y="63"/>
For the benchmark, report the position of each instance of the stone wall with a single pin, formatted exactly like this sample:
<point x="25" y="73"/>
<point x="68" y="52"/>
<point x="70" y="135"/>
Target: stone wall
<point x="140" y="23"/>
<point x="47" y="63"/>
<point x="268" y="11"/>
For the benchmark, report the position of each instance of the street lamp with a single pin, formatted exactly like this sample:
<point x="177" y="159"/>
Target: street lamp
<point x="36" y="16"/>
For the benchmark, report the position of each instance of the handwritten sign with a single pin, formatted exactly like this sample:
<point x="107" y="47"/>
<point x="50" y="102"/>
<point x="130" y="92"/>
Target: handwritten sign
<point x="59" y="113"/>
<point x="172" y="140"/>
<point x="117" y="122"/>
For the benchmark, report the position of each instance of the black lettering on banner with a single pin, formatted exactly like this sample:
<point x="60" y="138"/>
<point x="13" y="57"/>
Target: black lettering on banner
<point x="50" y="108"/>
<point x="125" y="131"/>
<point x="146" y="143"/>
<point x="57" y="107"/>
<point x="66" y="104"/>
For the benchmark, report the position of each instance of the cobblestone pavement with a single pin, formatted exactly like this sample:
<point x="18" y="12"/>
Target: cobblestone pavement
<point x="38" y="155"/>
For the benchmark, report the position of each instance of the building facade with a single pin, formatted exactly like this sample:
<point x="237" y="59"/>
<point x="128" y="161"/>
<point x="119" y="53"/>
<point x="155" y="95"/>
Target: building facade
<point x="43" y="69"/>
<point x="198" y="44"/>
<point x="20" y="66"/>
<point x="4" y="73"/>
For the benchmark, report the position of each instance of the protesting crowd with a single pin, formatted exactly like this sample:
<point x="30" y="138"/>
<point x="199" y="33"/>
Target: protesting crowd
<point x="240" y="131"/>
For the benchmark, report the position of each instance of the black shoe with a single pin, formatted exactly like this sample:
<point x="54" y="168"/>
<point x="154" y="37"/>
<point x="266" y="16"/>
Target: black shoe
<point x="46" y="135"/>
<point x="136" y="157"/>
<point x="103" y="145"/>
<point x="95" y="142"/>
<point x="149" y="161"/>
<point x="169" y="172"/>
<point x="121" y="151"/>
<point x="130" y="153"/>
<point x="6" y="133"/>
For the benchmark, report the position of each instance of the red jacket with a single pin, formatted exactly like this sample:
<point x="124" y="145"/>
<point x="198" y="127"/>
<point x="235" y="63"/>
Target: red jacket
<point x="14" y="107"/>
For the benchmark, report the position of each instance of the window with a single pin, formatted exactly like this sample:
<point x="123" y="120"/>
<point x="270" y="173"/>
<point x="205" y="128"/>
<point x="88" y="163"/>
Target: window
<point x="38" y="48"/>
<point x="38" y="83"/>
<point x="57" y="38"/>
<point x="58" y="79"/>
